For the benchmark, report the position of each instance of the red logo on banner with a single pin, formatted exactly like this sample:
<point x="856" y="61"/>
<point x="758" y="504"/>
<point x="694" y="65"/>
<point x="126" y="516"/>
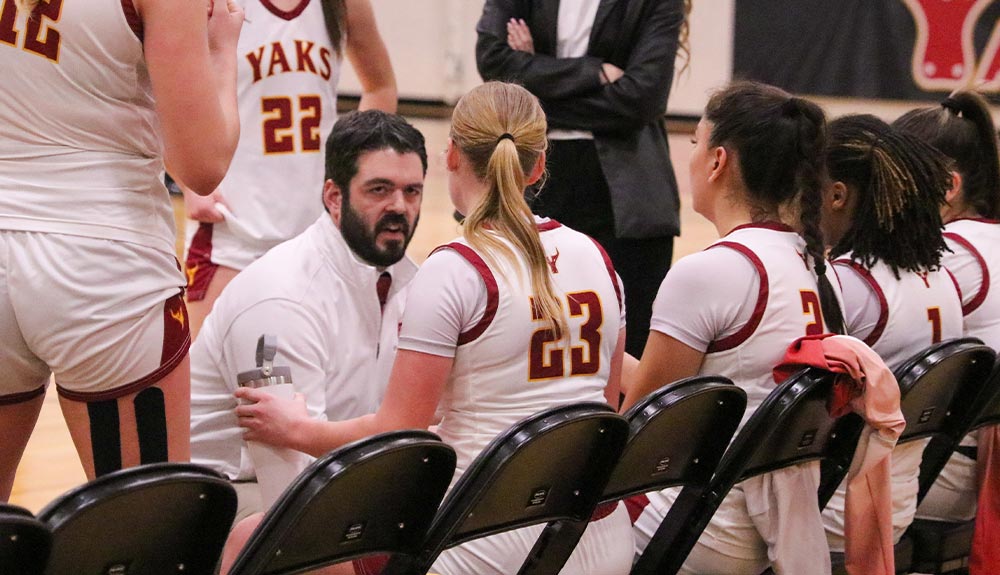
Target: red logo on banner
<point x="944" y="57"/>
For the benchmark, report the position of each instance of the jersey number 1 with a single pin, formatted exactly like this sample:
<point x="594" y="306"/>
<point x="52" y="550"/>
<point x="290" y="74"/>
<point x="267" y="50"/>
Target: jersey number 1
<point x="45" y="10"/>
<point x="546" y="357"/>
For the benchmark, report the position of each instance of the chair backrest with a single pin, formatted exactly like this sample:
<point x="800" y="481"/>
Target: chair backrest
<point x="957" y="374"/>
<point x="677" y="435"/>
<point x="939" y="386"/>
<point x="552" y="465"/>
<point x="377" y="495"/>
<point x="24" y="542"/>
<point x="989" y="413"/>
<point x="791" y="426"/>
<point x="152" y="519"/>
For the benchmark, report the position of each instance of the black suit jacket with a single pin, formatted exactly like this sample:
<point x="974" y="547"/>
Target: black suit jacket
<point x="626" y="117"/>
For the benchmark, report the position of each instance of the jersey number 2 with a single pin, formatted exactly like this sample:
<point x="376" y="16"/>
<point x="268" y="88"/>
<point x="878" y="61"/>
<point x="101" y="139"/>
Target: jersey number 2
<point x="811" y="307"/>
<point x="546" y="357"/>
<point x="33" y="42"/>
<point x="279" y="124"/>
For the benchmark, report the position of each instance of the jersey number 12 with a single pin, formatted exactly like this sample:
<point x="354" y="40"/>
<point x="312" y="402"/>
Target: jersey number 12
<point x="39" y="37"/>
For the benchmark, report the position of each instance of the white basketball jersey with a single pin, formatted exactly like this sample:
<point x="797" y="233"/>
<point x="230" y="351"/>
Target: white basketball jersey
<point x="287" y="78"/>
<point x="979" y="240"/>
<point x="916" y="310"/>
<point x="509" y="365"/>
<point x="79" y="144"/>
<point x="787" y="308"/>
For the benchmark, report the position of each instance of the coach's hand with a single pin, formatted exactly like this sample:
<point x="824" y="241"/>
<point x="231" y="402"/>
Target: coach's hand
<point x="269" y="419"/>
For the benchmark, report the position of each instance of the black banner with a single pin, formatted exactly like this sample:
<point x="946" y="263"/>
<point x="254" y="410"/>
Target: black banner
<point x="892" y="49"/>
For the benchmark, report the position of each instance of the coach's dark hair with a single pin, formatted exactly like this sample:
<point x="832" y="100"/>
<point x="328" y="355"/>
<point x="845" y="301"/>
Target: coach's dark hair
<point x="961" y="128"/>
<point x="779" y="141"/>
<point x="359" y="132"/>
<point x="900" y="183"/>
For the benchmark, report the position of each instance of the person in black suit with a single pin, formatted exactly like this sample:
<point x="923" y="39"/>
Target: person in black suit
<point x="602" y="70"/>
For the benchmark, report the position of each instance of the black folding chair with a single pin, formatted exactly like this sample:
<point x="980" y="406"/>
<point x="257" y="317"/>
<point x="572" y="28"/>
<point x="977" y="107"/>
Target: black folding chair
<point x="791" y="426"/>
<point x="935" y="386"/>
<point x="677" y="435"/>
<point x="24" y="542"/>
<point x="377" y="495"/>
<point x="944" y="546"/>
<point x="162" y="518"/>
<point x="552" y="465"/>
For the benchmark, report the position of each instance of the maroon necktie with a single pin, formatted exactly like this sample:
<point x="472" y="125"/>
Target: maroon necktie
<point x="382" y="286"/>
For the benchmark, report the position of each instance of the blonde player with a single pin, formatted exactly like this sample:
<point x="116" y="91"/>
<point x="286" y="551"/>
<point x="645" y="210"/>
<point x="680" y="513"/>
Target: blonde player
<point x="289" y="59"/>
<point x="882" y="219"/>
<point x="90" y="289"/>
<point x="963" y="130"/>
<point x="734" y="308"/>
<point x="525" y="314"/>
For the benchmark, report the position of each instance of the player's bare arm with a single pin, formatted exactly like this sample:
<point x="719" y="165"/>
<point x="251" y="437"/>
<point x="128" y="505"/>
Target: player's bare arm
<point x="370" y="59"/>
<point x="193" y="73"/>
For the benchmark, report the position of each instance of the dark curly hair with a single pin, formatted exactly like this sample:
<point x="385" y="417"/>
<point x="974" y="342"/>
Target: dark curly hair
<point x="900" y="182"/>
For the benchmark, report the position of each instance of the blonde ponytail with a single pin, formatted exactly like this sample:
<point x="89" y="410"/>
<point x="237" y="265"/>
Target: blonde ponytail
<point x="501" y="129"/>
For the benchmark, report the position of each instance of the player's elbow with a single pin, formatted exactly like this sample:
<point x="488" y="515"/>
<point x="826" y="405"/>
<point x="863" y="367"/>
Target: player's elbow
<point x="201" y="167"/>
<point x="201" y="177"/>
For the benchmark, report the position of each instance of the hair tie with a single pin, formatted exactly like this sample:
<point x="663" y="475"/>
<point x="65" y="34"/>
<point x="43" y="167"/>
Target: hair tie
<point x="505" y="136"/>
<point x="951" y="105"/>
<point x="820" y="267"/>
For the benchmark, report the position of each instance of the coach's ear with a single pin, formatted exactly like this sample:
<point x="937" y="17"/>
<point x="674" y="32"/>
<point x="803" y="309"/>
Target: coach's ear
<point x="332" y="199"/>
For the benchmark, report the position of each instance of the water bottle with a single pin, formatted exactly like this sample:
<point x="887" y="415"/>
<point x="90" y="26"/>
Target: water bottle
<point x="276" y="467"/>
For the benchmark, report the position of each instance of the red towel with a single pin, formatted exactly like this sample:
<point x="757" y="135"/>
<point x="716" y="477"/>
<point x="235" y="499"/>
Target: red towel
<point x="985" y="558"/>
<point x="868" y="387"/>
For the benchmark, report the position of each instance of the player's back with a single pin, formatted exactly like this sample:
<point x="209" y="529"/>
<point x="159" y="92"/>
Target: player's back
<point x="80" y="135"/>
<point x="514" y="366"/>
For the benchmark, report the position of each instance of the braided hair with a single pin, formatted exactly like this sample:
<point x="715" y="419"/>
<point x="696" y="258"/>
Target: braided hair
<point x="900" y="182"/>
<point x="780" y="141"/>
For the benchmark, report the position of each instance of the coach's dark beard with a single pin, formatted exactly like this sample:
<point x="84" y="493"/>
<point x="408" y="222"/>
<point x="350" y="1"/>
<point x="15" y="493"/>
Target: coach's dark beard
<point x="362" y="241"/>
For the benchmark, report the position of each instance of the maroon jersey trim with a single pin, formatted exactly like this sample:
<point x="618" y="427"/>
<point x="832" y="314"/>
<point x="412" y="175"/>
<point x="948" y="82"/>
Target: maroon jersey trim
<point x="954" y="282"/>
<point x="290" y="15"/>
<point x="199" y="267"/>
<point x="611" y="272"/>
<point x="176" y="342"/>
<point x="635" y="505"/>
<point x="548" y="226"/>
<point x="985" y="287"/>
<point x="883" y="304"/>
<point x="763" y="291"/>
<point x="492" y="290"/>
<point x="776" y="226"/>
<point x="13" y="398"/>
<point x="133" y="18"/>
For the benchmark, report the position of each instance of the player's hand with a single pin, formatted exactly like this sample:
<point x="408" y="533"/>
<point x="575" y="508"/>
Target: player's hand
<point x="202" y="208"/>
<point x="225" y="18"/>
<point x="519" y="36"/>
<point x="611" y="73"/>
<point x="269" y="419"/>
